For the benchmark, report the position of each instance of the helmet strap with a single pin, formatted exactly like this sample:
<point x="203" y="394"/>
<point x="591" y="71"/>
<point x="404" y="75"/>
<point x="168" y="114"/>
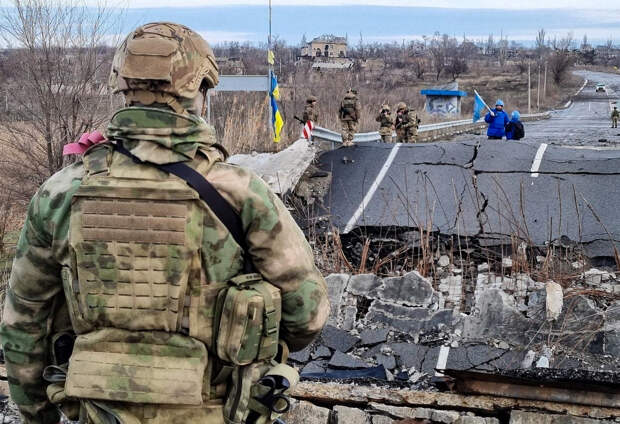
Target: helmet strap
<point x="147" y="98"/>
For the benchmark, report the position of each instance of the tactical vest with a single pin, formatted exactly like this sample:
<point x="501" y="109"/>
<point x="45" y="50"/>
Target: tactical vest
<point x="150" y="330"/>
<point x="348" y="108"/>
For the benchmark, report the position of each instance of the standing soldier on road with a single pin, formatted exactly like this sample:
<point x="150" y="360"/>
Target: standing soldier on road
<point x="407" y="123"/>
<point x="349" y="115"/>
<point x="125" y="292"/>
<point x="615" y="115"/>
<point x="386" y="124"/>
<point x="310" y="110"/>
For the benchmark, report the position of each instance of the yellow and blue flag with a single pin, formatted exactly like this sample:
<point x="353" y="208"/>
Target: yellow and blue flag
<point x="276" y="117"/>
<point x="271" y="57"/>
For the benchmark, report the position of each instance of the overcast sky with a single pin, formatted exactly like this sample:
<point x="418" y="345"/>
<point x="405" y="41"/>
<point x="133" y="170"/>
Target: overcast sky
<point x="471" y="4"/>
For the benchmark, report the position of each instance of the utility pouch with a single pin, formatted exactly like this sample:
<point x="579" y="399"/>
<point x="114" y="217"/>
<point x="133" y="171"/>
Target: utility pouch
<point x="151" y="367"/>
<point x="247" y="320"/>
<point x="259" y="400"/>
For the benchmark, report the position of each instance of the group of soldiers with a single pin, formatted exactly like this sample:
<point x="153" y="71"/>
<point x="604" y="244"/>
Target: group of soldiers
<point x="405" y="123"/>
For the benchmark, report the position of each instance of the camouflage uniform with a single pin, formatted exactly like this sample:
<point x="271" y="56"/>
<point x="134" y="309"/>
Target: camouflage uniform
<point x="349" y="115"/>
<point x="105" y="235"/>
<point x="310" y="111"/>
<point x="407" y="123"/>
<point x="386" y="124"/>
<point x="615" y="115"/>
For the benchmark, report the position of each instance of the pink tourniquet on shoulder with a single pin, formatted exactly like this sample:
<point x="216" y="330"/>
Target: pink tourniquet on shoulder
<point x="86" y="140"/>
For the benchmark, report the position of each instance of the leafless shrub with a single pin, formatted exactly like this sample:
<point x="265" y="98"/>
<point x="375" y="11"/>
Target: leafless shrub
<point x="561" y="59"/>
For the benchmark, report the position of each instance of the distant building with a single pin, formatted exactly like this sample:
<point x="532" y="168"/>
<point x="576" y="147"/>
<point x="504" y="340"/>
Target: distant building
<point x="327" y="46"/>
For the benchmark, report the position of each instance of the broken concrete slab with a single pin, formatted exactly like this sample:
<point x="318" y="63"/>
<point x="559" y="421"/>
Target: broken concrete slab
<point x="388" y="362"/>
<point x="371" y="337"/>
<point x="303" y="412"/>
<point x="344" y="361"/>
<point x="336" y="284"/>
<point x="411" y="289"/>
<point x="281" y="170"/>
<point x="300" y="356"/>
<point x="338" y="339"/>
<point x="499" y="317"/>
<point x="409" y="354"/>
<point x="554" y="300"/>
<point x="346" y="415"/>
<point x="315" y="367"/>
<point x="364" y="285"/>
<point x="321" y="352"/>
<point x="478" y="357"/>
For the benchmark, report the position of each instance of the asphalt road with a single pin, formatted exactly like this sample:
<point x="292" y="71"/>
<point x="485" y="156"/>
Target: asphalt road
<point x="560" y="182"/>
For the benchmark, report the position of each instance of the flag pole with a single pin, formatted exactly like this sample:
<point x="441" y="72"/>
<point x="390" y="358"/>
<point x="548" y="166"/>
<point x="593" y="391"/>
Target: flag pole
<point x="270" y="68"/>
<point x="483" y="102"/>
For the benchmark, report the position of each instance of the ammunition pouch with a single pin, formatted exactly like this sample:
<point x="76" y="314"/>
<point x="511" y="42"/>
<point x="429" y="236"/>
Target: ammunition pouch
<point x="247" y="320"/>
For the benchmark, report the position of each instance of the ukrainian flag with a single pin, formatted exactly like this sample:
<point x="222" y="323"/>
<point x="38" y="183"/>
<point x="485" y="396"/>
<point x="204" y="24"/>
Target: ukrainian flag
<point x="276" y="117"/>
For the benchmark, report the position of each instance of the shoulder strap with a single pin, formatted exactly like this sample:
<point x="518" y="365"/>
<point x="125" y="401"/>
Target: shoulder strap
<point x="220" y="206"/>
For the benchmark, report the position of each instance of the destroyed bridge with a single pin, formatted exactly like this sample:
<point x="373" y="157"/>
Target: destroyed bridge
<point x="511" y="314"/>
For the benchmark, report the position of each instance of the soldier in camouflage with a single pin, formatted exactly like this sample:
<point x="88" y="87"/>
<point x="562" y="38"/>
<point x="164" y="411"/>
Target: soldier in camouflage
<point x="349" y="114"/>
<point x="126" y="260"/>
<point x="310" y="110"/>
<point x="386" y="124"/>
<point x="407" y="123"/>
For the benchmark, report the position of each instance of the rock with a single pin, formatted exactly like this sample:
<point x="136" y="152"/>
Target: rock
<point x="543" y="362"/>
<point x="411" y="289"/>
<point x="388" y="362"/>
<point x="476" y="420"/>
<point x="447" y="417"/>
<point x="344" y="361"/>
<point x="350" y="313"/>
<point x="336" y="284"/>
<point x="522" y="417"/>
<point x="498" y="317"/>
<point x="443" y="261"/>
<point x="380" y="419"/>
<point x="346" y="415"/>
<point x="303" y="412"/>
<point x="321" y="352"/>
<point x="364" y="284"/>
<point x="300" y="356"/>
<point x="507" y="263"/>
<point x="554" y="300"/>
<point x="373" y="337"/>
<point x="338" y="339"/>
<point x="398" y="411"/>
<point x="315" y="367"/>
<point x="528" y="360"/>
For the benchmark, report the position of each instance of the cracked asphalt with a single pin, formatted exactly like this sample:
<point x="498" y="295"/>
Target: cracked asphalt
<point x="561" y="181"/>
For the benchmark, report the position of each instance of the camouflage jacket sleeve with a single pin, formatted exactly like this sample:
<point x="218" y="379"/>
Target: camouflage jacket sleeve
<point x="280" y="252"/>
<point x="31" y="298"/>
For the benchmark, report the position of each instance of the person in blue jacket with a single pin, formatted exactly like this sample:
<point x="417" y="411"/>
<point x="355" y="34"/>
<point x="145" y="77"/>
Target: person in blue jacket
<point x="514" y="129"/>
<point x="497" y="120"/>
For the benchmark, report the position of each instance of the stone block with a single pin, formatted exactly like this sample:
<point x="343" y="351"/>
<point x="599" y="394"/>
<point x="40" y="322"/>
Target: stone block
<point x="344" y="361"/>
<point x="336" y="284"/>
<point x="303" y="412"/>
<point x="445" y="417"/>
<point x="338" y="339"/>
<point x="364" y="285"/>
<point x="554" y="300"/>
<point x="380" y="419"/>
<point x="372" y="337"/>
<point x="410" y="289"/>
<point x="346" y="415"/>
<point x="476" y="420"/>
<point x="522" y="417"/>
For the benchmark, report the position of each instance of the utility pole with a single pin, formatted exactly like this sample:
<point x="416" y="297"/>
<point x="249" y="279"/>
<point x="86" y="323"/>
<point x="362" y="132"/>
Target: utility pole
<point x="545" y="85"/>
<point x="529" y="88"/>
<point x="538" y="91"/>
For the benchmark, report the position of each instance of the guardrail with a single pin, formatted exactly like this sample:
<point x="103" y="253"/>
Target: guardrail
<point x="428" y="132"/>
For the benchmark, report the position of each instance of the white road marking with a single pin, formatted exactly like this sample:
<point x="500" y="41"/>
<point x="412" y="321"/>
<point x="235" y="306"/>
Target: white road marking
<point x="373" y="188"/>
<point x="442" y="360"/>
<point x="582" y="87"/>
<point x="538" y="159"/>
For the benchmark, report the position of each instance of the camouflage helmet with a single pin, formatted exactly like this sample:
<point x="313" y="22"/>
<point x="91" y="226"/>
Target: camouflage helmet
<point x="401" y="106"/>
<point x="311" y="99"/>
<point x="164" y="58"/>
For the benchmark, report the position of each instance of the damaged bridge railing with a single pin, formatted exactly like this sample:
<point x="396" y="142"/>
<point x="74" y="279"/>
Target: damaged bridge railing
<point x="428" y="132"/>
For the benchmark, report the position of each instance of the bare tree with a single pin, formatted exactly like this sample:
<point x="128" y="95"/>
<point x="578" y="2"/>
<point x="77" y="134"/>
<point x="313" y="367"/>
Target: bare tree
<point x="456" y="57"/>
<point x="561" y="59"/>
<point x="419" y="67"/>
<point x="57" y="83"/>
<point x="438" y="50"/>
